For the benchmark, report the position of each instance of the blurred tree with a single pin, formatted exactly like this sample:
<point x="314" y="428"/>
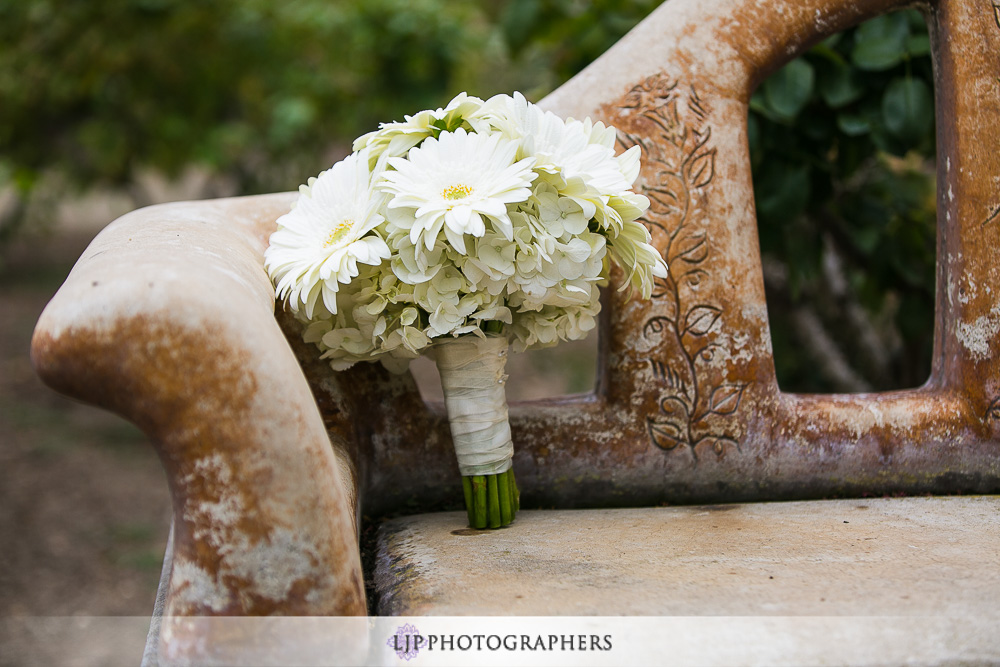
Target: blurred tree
<point x="842" y="146"/>
<point x="558" y="38"/>
<point x="249" y="87"/>
<point x="841" y="139"/>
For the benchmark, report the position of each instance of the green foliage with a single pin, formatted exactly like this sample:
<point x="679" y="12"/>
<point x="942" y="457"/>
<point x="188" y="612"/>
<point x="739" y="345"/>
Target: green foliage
<point x="99" y="88"/>
<point x="827" y="134"/>
<point x="262" y="90"/>
<point x="561" y="37"/>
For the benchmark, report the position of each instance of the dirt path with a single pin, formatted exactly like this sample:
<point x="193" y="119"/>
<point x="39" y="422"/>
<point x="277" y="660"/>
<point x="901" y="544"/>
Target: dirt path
<point x="84" y="506"/>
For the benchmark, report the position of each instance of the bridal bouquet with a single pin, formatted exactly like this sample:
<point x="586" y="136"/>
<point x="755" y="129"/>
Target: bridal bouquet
<point x="458" y="233"/>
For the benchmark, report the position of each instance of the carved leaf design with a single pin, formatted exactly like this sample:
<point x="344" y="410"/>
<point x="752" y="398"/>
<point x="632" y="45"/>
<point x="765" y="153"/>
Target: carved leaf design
<point x="656" y="325"/>
<point x="674" y="404"/>
<point x="666" y="117"/>
<point x="692" y="248"/>
<point x="726" y="399"/>
<point x="665" y="197"/>
<point x="718" y="445"/>
<point x="700" y="319"/>
<point x="694" y="103"/>
<point x="674" y="380"/>
<point x="993" y="412"/>
<point x="633" y="99"/>
<point x="706" y="353"/>
<point x="703" y="169"/>
<point x="995" y="212"/>
<point x="661" y="288"/>
<point x="694" y="277"/>
<point x="665" y="434"/>
<point x="675" y="408"/>
<point x="668" y="188"/>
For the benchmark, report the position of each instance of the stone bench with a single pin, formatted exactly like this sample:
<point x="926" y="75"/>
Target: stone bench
<point x="169" y="319"/>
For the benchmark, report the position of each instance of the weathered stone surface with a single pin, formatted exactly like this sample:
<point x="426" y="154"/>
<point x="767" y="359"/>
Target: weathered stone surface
<point x="867" y="557"/>
<point x="168" y="319"/>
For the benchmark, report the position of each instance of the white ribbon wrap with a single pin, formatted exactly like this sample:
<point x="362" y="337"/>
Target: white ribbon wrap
<point x="474" y="382"/>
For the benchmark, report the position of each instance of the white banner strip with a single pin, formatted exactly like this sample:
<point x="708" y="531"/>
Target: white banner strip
<point x="563" y="640"/>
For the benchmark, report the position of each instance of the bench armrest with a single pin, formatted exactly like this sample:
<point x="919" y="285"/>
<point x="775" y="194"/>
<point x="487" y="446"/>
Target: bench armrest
<point x="168" y="320"/>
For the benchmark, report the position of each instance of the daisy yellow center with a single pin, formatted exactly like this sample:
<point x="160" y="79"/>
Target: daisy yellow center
<point x="338" y="233"/>
<point x="453" y="192"/>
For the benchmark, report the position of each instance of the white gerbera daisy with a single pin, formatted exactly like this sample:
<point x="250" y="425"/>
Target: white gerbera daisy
<point x="329" y="231"/>
<point x="395" y="139"/>
<point x="568" y="149"/>
<point x="453" y="181"/>
<point x="632" y="250"/>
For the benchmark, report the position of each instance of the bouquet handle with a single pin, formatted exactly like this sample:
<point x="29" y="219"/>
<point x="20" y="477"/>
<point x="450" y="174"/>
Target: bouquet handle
<point x="474" y="384"/>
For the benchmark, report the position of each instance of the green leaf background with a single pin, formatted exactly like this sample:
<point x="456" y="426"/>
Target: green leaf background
<point x="841" y="139"/>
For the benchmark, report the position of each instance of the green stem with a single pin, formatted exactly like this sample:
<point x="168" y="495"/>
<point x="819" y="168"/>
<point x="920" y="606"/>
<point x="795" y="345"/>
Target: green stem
<point x="479" y="501"/>
<point x="517" y="491"/>
<point x="467" y="490"/>
<point x="513" y="493"/>
<point x="493" y="500"/>
<point x="493" y="326"/>
<point x="503" y="491"/>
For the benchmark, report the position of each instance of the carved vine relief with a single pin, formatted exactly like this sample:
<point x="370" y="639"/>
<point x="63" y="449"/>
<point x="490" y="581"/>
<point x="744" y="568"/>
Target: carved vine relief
<point x="993" y="411"/>
<point x="669" y="122"/>
<point x="995" y="213"/>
